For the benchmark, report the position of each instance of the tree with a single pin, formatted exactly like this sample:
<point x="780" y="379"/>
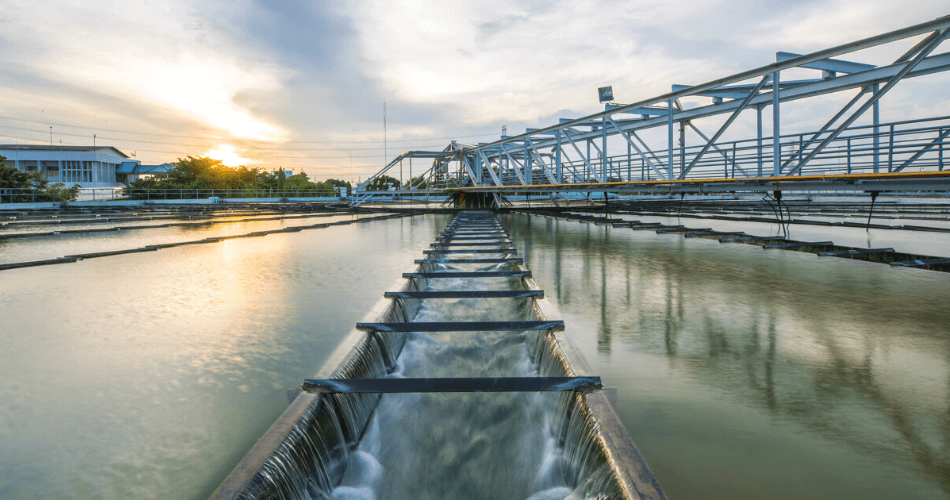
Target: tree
<point x="382" y="183"/>
<point x="417" y="183"/>
<point x="299" y="181"/>
<point x="207" y="173"/>
<point x="195" y="173"/>
<point x="334" y="183"/>
<point x="32" y="186"/>
<point x="266" y="181"/>
<point x="11" y="178"/>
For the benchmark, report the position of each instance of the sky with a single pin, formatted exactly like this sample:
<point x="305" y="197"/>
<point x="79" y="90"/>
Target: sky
<point x="306" y="85"/>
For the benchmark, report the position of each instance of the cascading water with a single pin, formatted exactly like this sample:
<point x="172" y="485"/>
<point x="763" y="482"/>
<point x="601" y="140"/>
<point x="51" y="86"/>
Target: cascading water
<point x="506" y="445"/>
<point x="467" y="445"/>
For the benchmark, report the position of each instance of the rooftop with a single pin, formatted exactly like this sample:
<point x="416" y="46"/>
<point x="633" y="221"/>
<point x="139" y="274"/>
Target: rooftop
<point x="133" y="167"/>
<point x="67" y="148"/>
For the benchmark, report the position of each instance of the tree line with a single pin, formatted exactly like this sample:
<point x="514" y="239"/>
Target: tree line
<point x="194" y="173"/>
<point x="385" y="183"/>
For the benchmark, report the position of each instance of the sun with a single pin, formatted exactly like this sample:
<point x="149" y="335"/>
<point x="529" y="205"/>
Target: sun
<point x="227" y="155"/>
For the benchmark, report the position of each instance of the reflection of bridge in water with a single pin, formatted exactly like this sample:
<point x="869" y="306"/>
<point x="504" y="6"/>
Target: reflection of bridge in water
<point x="656" y="145"/>
<point x="829" y="366"/>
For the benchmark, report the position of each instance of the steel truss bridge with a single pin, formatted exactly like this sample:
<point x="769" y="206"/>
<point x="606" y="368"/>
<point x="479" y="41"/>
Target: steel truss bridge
<point x="606" y="151"/>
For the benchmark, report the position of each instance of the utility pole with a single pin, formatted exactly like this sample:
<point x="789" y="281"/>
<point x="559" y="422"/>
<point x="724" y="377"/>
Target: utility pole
<point x="385" y="140"/>
<point x="50" y="136"/>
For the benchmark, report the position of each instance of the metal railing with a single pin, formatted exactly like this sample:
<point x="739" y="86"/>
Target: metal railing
<point x="904" y="146"/>
<point x="19" y="195"/>
<point x="32" y="195"/>
<point x="250" y="193"/>
<point x="590" y="149"/>
<point x="918" y="145"/>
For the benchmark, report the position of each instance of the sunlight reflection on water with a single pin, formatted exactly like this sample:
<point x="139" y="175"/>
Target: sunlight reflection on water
<point x="742" y="372"/>
<point x="151" y="375"/>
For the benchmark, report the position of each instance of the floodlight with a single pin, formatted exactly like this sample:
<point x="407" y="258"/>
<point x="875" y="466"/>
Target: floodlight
<point x="606" y="94"/>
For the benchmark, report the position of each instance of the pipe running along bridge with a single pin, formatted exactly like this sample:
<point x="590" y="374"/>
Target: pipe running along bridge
<point x="607" y="152"/>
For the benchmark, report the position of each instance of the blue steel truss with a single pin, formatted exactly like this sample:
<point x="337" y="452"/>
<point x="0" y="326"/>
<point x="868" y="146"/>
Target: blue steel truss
<point x="607" y="151"/>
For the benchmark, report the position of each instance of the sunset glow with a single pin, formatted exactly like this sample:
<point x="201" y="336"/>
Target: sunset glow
<point x="227" y="155"/>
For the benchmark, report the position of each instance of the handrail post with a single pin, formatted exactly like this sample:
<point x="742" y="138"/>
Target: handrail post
<point x="940" y="156"/>
<point x="876" y="111"/>
<point x="733" y="160"/>
<point x="801" y="147"/>
<point x="849" y="155"/>
<point x="890" y="150"/>
<point x="725" y="166"/>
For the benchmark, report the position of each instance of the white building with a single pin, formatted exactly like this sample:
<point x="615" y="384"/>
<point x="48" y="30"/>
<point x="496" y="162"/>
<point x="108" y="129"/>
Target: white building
<point x="86" y="166"/>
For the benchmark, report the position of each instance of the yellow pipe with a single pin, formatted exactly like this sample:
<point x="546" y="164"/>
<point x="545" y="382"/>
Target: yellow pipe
<point x="799" y="178"/>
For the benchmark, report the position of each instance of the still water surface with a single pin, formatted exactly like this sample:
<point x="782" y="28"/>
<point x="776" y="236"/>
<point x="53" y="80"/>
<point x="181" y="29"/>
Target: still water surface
<point x="742" y="372"/>
<point x="751" y="373"/>
<point x="151" y="375"/>
<point x="50" y="247"/>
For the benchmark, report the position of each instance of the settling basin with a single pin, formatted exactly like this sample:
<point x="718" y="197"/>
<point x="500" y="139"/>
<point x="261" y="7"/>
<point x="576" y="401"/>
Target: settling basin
<point x="741" y="372"/>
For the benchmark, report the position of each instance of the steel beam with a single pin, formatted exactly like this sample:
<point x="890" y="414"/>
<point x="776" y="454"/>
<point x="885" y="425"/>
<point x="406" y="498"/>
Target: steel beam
<point x="723" y="154"/>
<point x="745" y="103"/>
<point x="936" y="141"/>
<point x="450" y="385"/>
<point x="874" y="98"/>
<point x="630" y="142"/>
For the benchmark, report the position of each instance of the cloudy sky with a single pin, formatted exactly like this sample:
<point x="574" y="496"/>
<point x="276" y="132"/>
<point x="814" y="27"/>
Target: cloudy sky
<point x="302" y="84"/>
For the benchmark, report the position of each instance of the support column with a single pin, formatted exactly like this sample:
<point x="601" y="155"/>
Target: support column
<point x="630" y="161"/>
<point x="669" y="122"/>
<point x="776" y="129"/>
<point x="527" y="165"/>
<point x="559" y="170"/>
<point x="587" y="175"/>
<point x="758" y="111"/>
<point x="876" y="113"/>
<point x="682" y="145"/>
<point x="603" y="152"/>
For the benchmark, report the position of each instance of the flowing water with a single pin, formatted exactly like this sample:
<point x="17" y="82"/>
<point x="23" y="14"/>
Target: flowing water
<point x="462" y="445"/>
<point x="741" y="372"/>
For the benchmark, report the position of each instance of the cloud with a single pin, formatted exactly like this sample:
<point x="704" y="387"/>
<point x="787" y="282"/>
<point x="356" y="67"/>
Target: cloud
<point x="302" y="84"/>
<point x="163" y="54"/>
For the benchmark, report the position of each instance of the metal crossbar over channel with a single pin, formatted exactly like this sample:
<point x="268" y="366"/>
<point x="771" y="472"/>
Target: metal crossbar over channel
<point x="444" y="385"/>
<point x="464" y="294"/>
<point x="510" y="260"/>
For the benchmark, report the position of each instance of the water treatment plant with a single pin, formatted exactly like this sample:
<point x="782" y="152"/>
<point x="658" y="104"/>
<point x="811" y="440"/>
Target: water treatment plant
<point x="592" y="309"/>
